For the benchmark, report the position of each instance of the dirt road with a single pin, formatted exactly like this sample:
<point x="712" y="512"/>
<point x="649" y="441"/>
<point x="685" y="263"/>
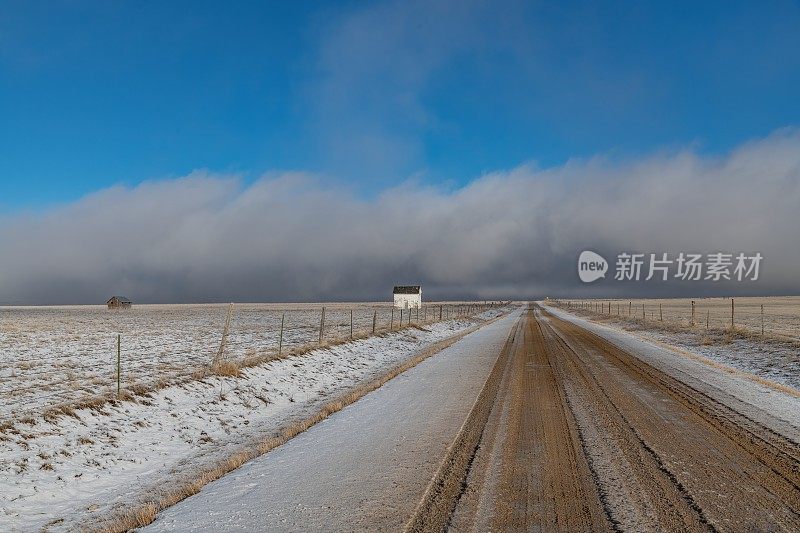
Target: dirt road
<point x="583" y="436"/>
<point x="532" y="423"/>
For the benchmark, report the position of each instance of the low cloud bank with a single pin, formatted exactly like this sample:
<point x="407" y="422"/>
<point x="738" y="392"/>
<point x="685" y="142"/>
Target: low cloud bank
<point x="508" y="234"/>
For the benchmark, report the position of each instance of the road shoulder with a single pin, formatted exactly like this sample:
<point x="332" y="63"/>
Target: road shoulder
<point x="364" y="467"/>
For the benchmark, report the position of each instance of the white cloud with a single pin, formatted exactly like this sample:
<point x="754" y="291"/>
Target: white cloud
<point x="507" y="234"/>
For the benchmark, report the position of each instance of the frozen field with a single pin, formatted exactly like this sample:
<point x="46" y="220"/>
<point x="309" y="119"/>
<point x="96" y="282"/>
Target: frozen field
<point x="51" y="356"/>
<point x="781" y="314"/>
<point x="62" y="472"/>
<point x="774" y="356"/>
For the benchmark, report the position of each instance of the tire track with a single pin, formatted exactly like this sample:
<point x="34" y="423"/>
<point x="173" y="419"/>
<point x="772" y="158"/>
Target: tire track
<point x="597" y="439"/>
<point x="734" y="475"/>
<point x="434" y="511"/>
<point x="654" y="499"/>
<point x="547" y="480"/>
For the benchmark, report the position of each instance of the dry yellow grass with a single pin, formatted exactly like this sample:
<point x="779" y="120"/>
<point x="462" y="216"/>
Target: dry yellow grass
<point x="146" y="514"/>
<point x="226" y="369"/>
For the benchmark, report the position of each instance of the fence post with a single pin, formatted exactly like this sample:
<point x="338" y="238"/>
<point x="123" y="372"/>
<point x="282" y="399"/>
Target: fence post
<point x="762" y="320"/>
<point x="401" y="317"/>
<point x="391" y="322"/>
<point x="321" y="325"/>
<point x="630" y="307"/>
<point x="351" y="324"/>
<point x="374" y="320"/>
<point x="644" y="317"/>
<point x="731" y="314"/>
<point x="692" y="313"/>
<point x="440" y="312"/>
<point x="221" y="351"/>
<point x="119" y="362"/>
<point x="280" y="337"/>
<point x="708" y="315"/>
<point x="660" y="312"/>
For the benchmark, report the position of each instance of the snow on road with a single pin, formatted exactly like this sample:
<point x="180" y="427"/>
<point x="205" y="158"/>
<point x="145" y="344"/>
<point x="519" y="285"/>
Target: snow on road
<point x="364" y="467"/>
<point x="61" y="472"/>
<point x="774" y="408"/>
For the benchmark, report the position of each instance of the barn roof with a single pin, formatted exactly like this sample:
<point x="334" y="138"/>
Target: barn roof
<point x="120" y="299"/>
<point x="407" y="289"/>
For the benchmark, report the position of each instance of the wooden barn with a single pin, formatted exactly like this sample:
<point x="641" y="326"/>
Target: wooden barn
<point x="408" y="296"/>
<point x="118" y="302"/>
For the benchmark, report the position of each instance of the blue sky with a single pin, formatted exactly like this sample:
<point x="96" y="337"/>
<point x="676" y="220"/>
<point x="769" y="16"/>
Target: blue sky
<point x="369" y="94"/>
<point x="248" y="151"/>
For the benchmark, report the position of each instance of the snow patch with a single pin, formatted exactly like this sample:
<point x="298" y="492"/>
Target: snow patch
<point x="61" y="472"/>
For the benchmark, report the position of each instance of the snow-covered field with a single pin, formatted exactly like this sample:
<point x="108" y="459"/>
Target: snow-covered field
<point x="774" y="407"/>
<point x="60" y="472"/>
<point x="781" y="314"/>
<point x="775" y="358"/>
<point x="57" y="355"/>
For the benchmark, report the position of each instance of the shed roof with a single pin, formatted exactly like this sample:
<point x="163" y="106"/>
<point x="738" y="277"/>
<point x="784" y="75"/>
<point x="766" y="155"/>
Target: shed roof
<point x="120" y="299"/>
<point x="407" y="289"/>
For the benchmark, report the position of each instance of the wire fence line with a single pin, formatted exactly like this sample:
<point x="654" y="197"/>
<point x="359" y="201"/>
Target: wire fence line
<point x="767" y="316"/>
<point x="70" y="355"/>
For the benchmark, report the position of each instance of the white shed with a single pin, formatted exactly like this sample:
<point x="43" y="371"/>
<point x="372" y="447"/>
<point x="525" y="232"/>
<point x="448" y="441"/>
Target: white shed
<point x="408" y="296"/>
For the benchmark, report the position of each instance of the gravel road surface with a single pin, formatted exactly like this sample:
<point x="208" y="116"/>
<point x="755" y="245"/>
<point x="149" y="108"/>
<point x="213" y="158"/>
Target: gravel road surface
<point x="586" y="436"/>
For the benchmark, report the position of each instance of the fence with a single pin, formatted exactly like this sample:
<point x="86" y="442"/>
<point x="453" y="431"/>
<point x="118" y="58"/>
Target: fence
<point x="767" y="316"/>
<point x="67" y="355"/>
